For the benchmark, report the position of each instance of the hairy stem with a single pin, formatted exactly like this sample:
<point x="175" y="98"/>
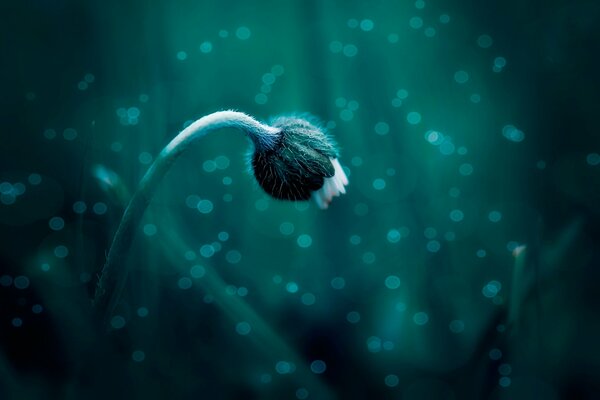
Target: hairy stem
<point x="114" y="273"/>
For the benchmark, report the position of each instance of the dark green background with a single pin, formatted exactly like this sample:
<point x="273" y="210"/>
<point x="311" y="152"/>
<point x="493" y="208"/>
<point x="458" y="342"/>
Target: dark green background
<point x="471" y="318"/>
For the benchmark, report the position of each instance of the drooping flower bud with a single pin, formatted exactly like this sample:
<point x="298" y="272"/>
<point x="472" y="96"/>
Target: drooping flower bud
<point x="301" y="163"/>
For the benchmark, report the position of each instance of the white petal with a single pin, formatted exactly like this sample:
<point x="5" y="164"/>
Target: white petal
<point x="319" y="200"/>
<point x="339" y="171"/>
<point x="324" y="197"/>
<point x="332" y="186"/>
<point x="329" y="187"/>
<point x="339" y="184"/>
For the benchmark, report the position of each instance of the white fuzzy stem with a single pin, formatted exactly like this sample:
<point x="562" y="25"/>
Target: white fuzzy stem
<point x="114" y="273"/>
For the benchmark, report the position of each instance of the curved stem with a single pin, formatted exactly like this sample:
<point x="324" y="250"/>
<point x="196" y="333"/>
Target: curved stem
<point x="114" y="273"/>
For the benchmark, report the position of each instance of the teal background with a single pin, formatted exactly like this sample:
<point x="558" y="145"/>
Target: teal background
<point x="462" y="263"/>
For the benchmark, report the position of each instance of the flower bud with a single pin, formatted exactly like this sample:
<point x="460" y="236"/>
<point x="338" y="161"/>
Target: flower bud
<point x="301" y="163"/>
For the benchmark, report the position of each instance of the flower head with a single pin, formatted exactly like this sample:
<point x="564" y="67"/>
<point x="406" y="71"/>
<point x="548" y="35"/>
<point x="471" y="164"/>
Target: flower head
<point x="301" y="163"/>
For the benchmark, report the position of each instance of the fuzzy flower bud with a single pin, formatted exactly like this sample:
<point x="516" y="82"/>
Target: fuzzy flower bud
<point x="301" y="163"/>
